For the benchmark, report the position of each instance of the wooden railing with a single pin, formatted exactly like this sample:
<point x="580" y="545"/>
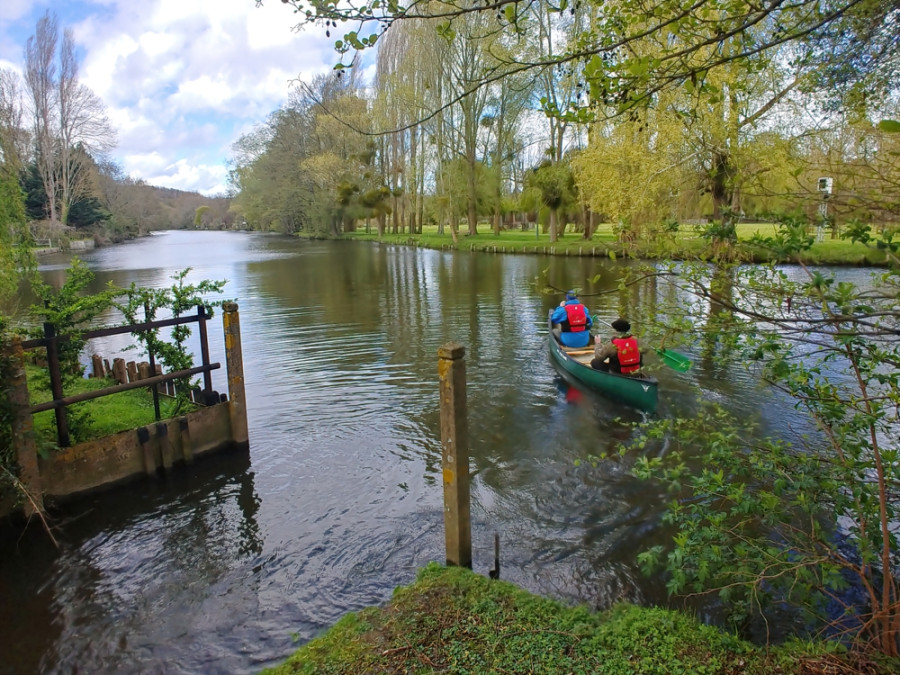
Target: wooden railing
<point x="60" y="401"/>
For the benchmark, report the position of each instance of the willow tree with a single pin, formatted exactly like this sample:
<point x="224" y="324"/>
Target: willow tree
<point x="556" y="187"/>
<point x="632" y="169"/>
<point x="466" y="58"/>
<point x="407" y="70"/>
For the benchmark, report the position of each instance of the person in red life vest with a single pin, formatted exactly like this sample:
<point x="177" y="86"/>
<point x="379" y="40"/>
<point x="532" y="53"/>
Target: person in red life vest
<point x="621" y="354"/>
<point x="572" y="322"/>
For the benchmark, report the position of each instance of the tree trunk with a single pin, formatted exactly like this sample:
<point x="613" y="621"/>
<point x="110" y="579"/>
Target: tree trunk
<point x="471" y="200"/>
<point x="720" y="180"/>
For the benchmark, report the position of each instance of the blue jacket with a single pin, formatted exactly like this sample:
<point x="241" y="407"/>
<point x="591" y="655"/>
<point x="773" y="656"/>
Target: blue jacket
<point x="580" y="339"/>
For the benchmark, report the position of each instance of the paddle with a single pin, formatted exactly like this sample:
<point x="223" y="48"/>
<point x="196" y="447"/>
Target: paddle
<point x="673" y="359"/>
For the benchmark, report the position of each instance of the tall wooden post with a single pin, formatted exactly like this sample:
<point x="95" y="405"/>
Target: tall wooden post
<point x="455" y="454"/>
<point x="23" y="428"/>
<point x="56" y="388"/>
<point x="234" y="360"/>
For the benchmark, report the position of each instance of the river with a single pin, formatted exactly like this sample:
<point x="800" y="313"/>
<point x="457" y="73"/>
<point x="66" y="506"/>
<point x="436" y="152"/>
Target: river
<point x="230" y="565"/>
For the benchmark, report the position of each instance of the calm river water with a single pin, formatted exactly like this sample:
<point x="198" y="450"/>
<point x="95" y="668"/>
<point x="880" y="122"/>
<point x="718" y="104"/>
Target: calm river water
<point x="229" y="565"/>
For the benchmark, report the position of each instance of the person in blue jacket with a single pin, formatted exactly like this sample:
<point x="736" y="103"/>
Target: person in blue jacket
<point x="572" y="322"/>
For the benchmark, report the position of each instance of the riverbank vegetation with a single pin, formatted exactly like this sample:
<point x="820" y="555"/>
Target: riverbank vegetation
<point x="452" y="620"/>
<point x="688" y="243"/>
<point x="720" y="141"/>
<point x="794" y="520"/>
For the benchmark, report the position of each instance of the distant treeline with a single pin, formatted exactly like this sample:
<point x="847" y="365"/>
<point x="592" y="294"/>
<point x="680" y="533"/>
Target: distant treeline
<point x="120" y="207"/>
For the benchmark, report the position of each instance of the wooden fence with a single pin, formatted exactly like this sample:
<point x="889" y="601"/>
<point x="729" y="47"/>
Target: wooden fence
<point x="155" y="377"/>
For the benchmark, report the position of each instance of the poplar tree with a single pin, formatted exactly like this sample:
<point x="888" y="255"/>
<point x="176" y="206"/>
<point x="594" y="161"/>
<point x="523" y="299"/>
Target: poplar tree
<point x="69" y="120"/>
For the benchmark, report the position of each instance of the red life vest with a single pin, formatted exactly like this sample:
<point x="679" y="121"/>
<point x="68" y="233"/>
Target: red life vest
<point x="629" y="354"/>
<point x="577" y="317"/>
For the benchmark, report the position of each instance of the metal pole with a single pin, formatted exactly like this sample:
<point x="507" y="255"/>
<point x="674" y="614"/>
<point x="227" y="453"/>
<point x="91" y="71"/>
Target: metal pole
<point x="204" y="347"/>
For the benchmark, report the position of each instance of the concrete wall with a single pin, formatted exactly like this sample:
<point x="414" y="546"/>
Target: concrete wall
<point x="130" y="454"/>
<point x="123" y="457"/>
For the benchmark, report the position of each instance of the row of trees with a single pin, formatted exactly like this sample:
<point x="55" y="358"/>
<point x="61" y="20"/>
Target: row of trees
<point x="571" y="111"/>
<point x="54" y="140"/>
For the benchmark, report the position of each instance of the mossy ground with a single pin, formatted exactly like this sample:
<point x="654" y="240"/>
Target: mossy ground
<point x="684" y="244"/>
<point x="454" y="621"/>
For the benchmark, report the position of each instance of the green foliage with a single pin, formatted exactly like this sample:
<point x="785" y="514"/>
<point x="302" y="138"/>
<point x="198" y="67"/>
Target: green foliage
<point x="199" y="213"/>
<point x="796" y="522"/>
<point x="145" y="304"/>
<point x="751" y="519"/>
<point x="87" y="212"/>
<point x="71" y="311"/>
<point x="16" y="258"/>
<point x="554" y="182"/>
<point x="626" y="57"/>
<point x="453" y="187"/>
<point x="36" y="207"/>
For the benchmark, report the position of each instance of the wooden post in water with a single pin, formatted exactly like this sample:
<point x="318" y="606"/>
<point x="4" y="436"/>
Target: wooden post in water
<point x="23" y="428"/>
<point x="455" y="454"/>
<point x="234" y="360"/>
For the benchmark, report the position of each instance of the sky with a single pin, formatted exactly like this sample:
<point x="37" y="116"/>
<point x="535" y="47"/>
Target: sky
<point x="181" y="79"/>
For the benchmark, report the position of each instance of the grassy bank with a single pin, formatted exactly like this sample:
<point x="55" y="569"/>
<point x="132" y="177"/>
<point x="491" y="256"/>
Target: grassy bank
<point x="452" y="620"/>
<point x="686" y="243"/>
<point x="99" y="417"/>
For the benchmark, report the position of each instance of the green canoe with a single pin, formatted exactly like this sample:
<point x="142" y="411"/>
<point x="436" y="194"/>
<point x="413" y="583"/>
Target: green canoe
<point x="638" y="391"/>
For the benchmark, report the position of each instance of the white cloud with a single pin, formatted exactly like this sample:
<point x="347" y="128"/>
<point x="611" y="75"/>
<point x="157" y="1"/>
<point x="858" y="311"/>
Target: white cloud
<point x="10" y="10"/>
<point x="181" y="78"/>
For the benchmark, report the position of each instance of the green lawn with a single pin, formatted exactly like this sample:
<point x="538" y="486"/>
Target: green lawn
<point x="686" y="243"/>
<point x="97" y="418"/>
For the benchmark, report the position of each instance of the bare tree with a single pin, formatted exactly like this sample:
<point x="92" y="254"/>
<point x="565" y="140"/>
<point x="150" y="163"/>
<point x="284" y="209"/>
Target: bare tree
<point x="40" y="76"/>
<point x="13" y="136"/>
<point x="70" y="120"/>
